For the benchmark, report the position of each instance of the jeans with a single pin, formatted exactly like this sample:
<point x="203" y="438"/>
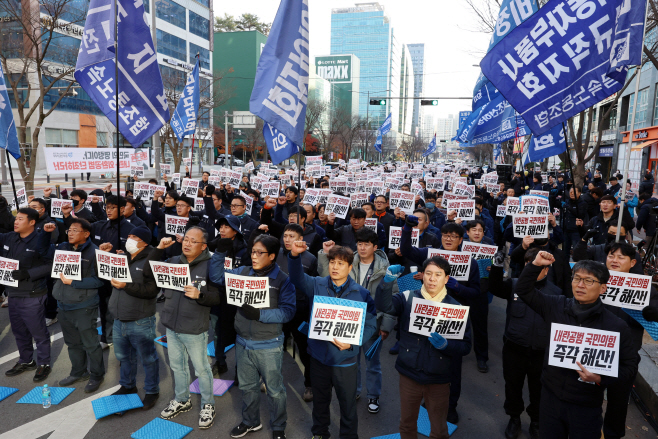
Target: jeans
<point x="266" y="363"/>
<point x="184" y="347"/>
<point x="81" y="338"/>
<point x="373" y="370"/>
<point x="133" y="340"/>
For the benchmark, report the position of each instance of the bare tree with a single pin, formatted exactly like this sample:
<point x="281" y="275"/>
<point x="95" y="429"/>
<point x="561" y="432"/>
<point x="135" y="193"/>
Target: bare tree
<point x="412" y="148"/>
<point x="316" y="111"/>
<point x="34" y="63"/>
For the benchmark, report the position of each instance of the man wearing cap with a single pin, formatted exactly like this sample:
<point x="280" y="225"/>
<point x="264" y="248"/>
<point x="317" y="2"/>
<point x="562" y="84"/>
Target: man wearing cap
<point x="184" y="207"/>
<point x="133" y="306"/>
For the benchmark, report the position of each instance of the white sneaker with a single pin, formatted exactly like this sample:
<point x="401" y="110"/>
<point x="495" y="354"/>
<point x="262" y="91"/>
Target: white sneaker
<point x="206" y="416"/>
<point x="105" y="345"/>
<point x="175" y="408"/>
<point x="5" y="304"/>
<point x="50" y="322"/>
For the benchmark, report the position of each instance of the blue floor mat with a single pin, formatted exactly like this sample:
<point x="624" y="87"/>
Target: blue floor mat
<point x="424" y="423"/>
<point x="211" y="348"/>
<point x="161" y="429"/>
<point x="57" y="395"/>
<point x="112" y="404"/>
<point x="388" y="436"/>
<point x="407" y="282"/>
<point x="6" y="392"/>
<point x="651" y="327"/>
<point x="162" y="340"/>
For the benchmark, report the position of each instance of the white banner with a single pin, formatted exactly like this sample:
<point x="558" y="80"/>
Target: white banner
<point x="249" y="290"/>
<point x="68" y="263"/>
<point x="403" y="200"/>
<point x="110" y="266"/>
<point x="627" y="290"/>
<point x="596" y="350"/>
<point x="6" y="267"/>
<point x="513" y="206"/>
<point x="535" y="205"/>
<point x="175" y="225"/>
<point x="530" y="225"/>
<point x="448" y="320"/>
<point x="479" y="251"/>
<point x="338" y="205"/>
<point x="61" y="161"/>
<point x="460" y="262"/>
<point x="171" y="276"/>
<point x="540" y="193"/>
<point x="465" y="209"/>
<point x="56" y="207"/>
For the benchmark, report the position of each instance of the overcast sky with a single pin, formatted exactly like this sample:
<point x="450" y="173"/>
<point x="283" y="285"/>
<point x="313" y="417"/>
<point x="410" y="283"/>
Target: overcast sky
<point x="452" y="46"/>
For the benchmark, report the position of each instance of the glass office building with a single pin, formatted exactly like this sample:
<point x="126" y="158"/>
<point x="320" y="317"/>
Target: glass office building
<point x="417" y="52"/>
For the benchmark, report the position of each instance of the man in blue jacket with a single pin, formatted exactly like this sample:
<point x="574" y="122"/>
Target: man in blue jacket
<point x="333" y="364"/>
<point x="424" y="362"/>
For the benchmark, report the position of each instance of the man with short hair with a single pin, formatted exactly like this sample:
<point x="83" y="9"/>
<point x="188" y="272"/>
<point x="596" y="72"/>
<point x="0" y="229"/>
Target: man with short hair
<point x="599" y="253"/>
<point x="614" y="187"/>
<point x="345" y="235"/>
<point x="79" y="197"/>
<point x="185" y="315"/>
<point x="382" y="215"/>
<point x="369" y="208"/>
<point x="40" y="205"/>
<point x="130" y="213"/>
<point x="310" y="220"/>
<point x="609" y="215"/>
<point x="238" y="208"/>
<point x="291" y="203"/>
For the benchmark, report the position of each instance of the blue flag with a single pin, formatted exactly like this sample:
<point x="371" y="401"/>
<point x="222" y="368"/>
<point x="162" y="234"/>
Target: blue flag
<point x="485" y="95"/>
<point x="143" y="106"/>
<point x="8" y="134"/>
<point x="280" y="90"/>
<point x="627" y="41"/>
<point x="431" y="147"/>
<point x="546" y="145"/>
<point x="278" y="145"/>
<point x="183" y="121"/>
<point x="378" y="142"/>
<point x="554" y="64"/>
<point x="386" y="126"/>
<point x="497" y="123"/>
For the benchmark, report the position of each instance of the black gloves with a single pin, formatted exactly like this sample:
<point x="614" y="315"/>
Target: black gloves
<point x="224" y="245"/>
<point x="650" y="313"/>
<point x="251" y="313"/>
<point x="411" y="220"/>
<point x="20" y="274"/>
<point x="210" y="189"/>
<point x="591" y="233"/>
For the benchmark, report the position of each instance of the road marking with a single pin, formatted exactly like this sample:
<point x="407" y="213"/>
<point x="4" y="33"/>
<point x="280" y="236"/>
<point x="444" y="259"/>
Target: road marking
<point x="71" y="422"/>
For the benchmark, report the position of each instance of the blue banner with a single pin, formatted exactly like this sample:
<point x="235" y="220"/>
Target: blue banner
<point x="386" y="126"/>
<point x="497" y="123"/>
<point x="546" y="145"/>
<point x="485" y="95"/>
<point x="627" y="40"/>
<point x="142" y="102"/>
<point x="8" y="134"/>
<point x="463" y="115"/>
<point x="183" y="121"/>
<point x="278" y="145"/>
<point x="378" y="142"/>
<point x="431" y="147"/>
<point x="280" y="90"/>
<point x="554" y="64"/>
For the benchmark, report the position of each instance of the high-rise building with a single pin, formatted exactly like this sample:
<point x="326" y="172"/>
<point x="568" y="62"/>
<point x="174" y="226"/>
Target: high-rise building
<point x="417" y="52"/>
<point x="342" y="71"/>
<point x="446" y="128"/>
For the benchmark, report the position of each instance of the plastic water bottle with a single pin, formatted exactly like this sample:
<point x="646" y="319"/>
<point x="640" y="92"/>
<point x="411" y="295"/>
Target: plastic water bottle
<point x="45" y="396"/>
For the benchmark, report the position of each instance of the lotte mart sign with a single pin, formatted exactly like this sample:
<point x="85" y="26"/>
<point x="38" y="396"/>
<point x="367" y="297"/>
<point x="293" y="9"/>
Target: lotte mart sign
<point x="334" y="68"/>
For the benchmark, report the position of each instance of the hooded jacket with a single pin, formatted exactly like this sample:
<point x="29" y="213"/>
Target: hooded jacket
<point x="136" y="300"/>
<point x="647" y="185"/>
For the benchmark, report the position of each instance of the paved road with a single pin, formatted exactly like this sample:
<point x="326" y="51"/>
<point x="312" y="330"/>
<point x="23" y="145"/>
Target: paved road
<point x="480" y="407"/>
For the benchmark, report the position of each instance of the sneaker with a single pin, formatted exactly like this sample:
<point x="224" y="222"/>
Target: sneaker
<point x="5" y="304"/>
<point x="534" y="430"/>
<point x="42" y="373"/>
<point x="105" y="345"/>
<point x="160" y="299"/>
<point x="125" y="390"/>
<point x="175" y="408"/>
<point x="453" y="416"/>
<point x="395" y="349"/>
<point x="243" y="429"/>
<point x="218" y="369"/>
<point x="207" y="416"/>
<point x="19" y="368"/>
<point x="308" y="395"/>
<point x="278" y="435"/>
<point x="482" y="366"/>
<point x="93" y="385"/>
<point x="50" y="322"/>
<point x="513" y="427"/>
<point x="373" y="405"/>
<point x="72" y="380"/>
<point x="149" y="400"/>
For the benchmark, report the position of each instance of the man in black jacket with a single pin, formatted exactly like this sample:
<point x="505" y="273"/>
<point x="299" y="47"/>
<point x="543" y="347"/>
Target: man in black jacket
<point x="609" y="215"/>
<point x="559" y="273"/>
<point x="592" y="199"/>
<point x="133" y="307"/>
<point x="381" y="203"/>
<point x="345" y="235"/>
<point x="571" y="399"/>
<point x="599" y="252"/>
<point x="646" y="219"/>
<point x="79" y="197"/>
<point x="647" y="184"/>
<point x="575" y="208"/>
<point x="614" y="187"/>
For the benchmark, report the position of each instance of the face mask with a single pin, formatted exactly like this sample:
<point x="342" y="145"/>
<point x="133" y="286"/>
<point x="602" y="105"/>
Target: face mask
<point x="75" y="203"/>
<point x="430" y="206"/>
<point x="131" y="246"/>
<point x="540" y="242"/>
<point x="611" y="238"/>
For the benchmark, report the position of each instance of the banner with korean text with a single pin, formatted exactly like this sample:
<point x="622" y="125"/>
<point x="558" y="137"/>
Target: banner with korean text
<point x="448" y="320"/>
<point x="596" y="350"/>
<point x="340" y="319"/>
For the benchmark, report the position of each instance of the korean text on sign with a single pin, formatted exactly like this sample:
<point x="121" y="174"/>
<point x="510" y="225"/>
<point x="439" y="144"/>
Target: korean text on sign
<point x="249" y="290"/>
<point x="171" y="276"/>
<point x="403" y="200"/>
<point x="460" y="262"/>
<point x="190" y="187"/>
<point x="535" y="205"/>
<point x="56" y="207"/>
<point x="465" y="209"/>
<point x="6" y="267"/>
<point x="447" y="196"/>
<point x="596" y="350"/>
<point x="110" y="266"/>
<point x="530" y="225"/>
<point x="338" y="205"/>
<point x="395" y="234"/>
<point x="448" y="320"/>
<point x="341" y="319"/>
<point x="67" y="263"/>
<point x="627" y="290"/>
<point x="513" y="206"/>
<point x="464" y="189"/>
<point x="479" y="251"/>
<point x="175" y="225"/>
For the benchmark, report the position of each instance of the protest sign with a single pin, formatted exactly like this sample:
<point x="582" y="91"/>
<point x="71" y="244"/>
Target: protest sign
<point x="175" y="225"/>
<point x="465" y="209"/>
<point x="530" y="225"/>
<point x="323" y="196"/>
<point x="338" y="319"/>
<point x="493" y="188"/>
<point x="137" y="171"/>
<point x="447" y="196"/>
<point x="395" y="234"/>
<point x="371" y="223"/>
<point x="21" y="198"/>
<point x="338" y="184"/>
<point x="56" y="207"/>
<point x="155" y="188"/>
<point x="464" y="189"/>
<point x="313" y="160"/>
<point x="6" y="267"/>
<point x="270" y="188"/>
<point x="376" y="187"/>
<point x="460" y="262"/>
<point x="501" y="211"/>
<point x="67" y="263"/>
<point x="513" y="206"/>
<point x="228" y="263"/>
<point x="541" y="193"/>
<point x="479" y="251"/>
<point x="596" y="350"/>
<point x="627" y="290"/>
<point x="350" y="188"/>
<point x="171" y="276"/>
<point x="448" y="320"/>
<point x="142" y="190"/>
<point x="535" y="205"/>
<point x="233" y="178"/>
<point x="403" y="200"/>
<point x="358" y="199"/>
<point x="110" y="266"/>
<point x="187" y="161"/>
<point x="311" y="196"/>
<point x="249" y="202"/>
<point x="199" y="205"/>
<point x="249" y="290"/>
<point x="214" y="180"/>
<point x="175" y="178"/>
<point x="165" y="169"/>
<point x="338" y="205"/>
<point x="190" y="187"/>
<point x="490" y="178"/>
<point x="435" y="183"/>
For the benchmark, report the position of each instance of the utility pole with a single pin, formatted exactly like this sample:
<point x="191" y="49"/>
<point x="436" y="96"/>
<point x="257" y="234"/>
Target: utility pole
<point x="226" y="115"/>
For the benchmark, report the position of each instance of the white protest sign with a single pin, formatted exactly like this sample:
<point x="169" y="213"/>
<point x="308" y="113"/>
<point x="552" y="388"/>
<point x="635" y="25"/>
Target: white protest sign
<point x="228" y="263"/>
<point x="460" y="262"/>
<point x="530" y="225"/>
<point x="351" y="187"/>
<point x="447" y="196"/>
<point x="270" y="188"/>
<point x="464" y="189"/>
<point x="513" y="206"/>
<point x="190" y="187"/>
<point x="371" y="223"/>
<point x="436" y="183"/>
<point x="315" y="160"/>
<point x="358" y="199"/>
<point x="479" y="251"/>
<point x="338" y="184"/>
<point x="323" y="196"/>
<point x="465" y="209"/>
<point x="492" y="188"/>
<point x="395" y="234"/>
<point x="627" y="290"/>
<point x="596" y="350"/>
<point x="187" y="161"/>
<point x="142" y="190"/>
<point x="214" y="180"/>
<point x="338" y="319"/>
<point x="21" y="198"/>
<point x="175" y="225"/>
<point x="535" y="205"/>
<point x="56" y="207"/>
<point x="165" y="169"/>
<point x="311" y="196"/>
<point x="110" y="266"/>
<point x="448" y="320"/>
<point x="171" y="276"/>
<point x="234" y="178"/>
<point x="137" y="171"/>
<point x="249" y="290"/>
<point x="501" y="210"/>
<point x="6" y="267"/>
<point x="540" y="193"/>
<point x="175" y="178"/>
<point x="68" y="263"/>
<point x="199" y="205"/>
<point x="338" y="205"/>
<point x="249" y="202"/>
<point x="403" y="200"/>
<point x="156" y="188"/>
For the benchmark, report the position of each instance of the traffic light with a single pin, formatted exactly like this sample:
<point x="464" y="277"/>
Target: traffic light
<point x="433" y="102"/>
<point x="377" y="101"/>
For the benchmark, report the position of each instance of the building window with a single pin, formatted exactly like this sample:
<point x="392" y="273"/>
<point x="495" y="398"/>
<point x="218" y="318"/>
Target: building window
<point x="82" y="103"/>
<point x="170" y="12"/>
<point x="199" y="26"/>
<point x="62" y="49"/>
<point x="173" y="79"/>
<point x="204" y="56"/>
<point x="642" y="106"/>
<point x="101" y="139"/>
<point x="613" y="119"/>
<point x="655" y="108"/>
<point x="147" y="5"/>
<point x="61" y="138"/>
<point x="204" y="87"/>
<point x="205" y="3"/>
<point x="171" y="46"/>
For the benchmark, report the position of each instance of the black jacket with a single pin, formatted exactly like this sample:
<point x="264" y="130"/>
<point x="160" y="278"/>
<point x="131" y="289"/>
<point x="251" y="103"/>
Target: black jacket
<point x="311" y="237"/>
<point x="80" y="291"/>
<point x="592" y="205"/>
<point x="647" y="186"/>
<point x="612" y="190"/>
<point x="572" y="210"/>
<point x="108" y="231"/>
<point x="33" y="254"/>
<point x="136" y="300"/>
<point x="562" y="382"/>
<point x="559" y="273"/>
<point x="601" y="226"/>
<point x="582" y="251"/>
<point x="6" y="221"/>
<point x="646" y="219"/>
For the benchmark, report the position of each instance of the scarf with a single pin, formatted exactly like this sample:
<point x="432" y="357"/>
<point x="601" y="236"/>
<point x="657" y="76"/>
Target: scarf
<point x="438" y="298"/>
<point x="241" y="216"/>
<point x="204" y="256"/>
<point x="265" y="270"/>
<point x="582" y="311"/>
<point x="380" y="215"/>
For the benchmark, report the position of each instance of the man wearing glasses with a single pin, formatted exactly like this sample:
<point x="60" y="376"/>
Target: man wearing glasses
<point x="382" y="215"/>
<point x="186" y="316"/>
<point x="239" y="210"/>
<point x="571" y="400"/>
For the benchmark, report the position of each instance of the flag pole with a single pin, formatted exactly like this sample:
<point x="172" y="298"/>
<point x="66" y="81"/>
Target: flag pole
<point x="573" y="177"/>
<point x="193" y="134"/>
<point x="11" y="174"/>
<point x="116" y="106"/>
<point x="630" y="133"/>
